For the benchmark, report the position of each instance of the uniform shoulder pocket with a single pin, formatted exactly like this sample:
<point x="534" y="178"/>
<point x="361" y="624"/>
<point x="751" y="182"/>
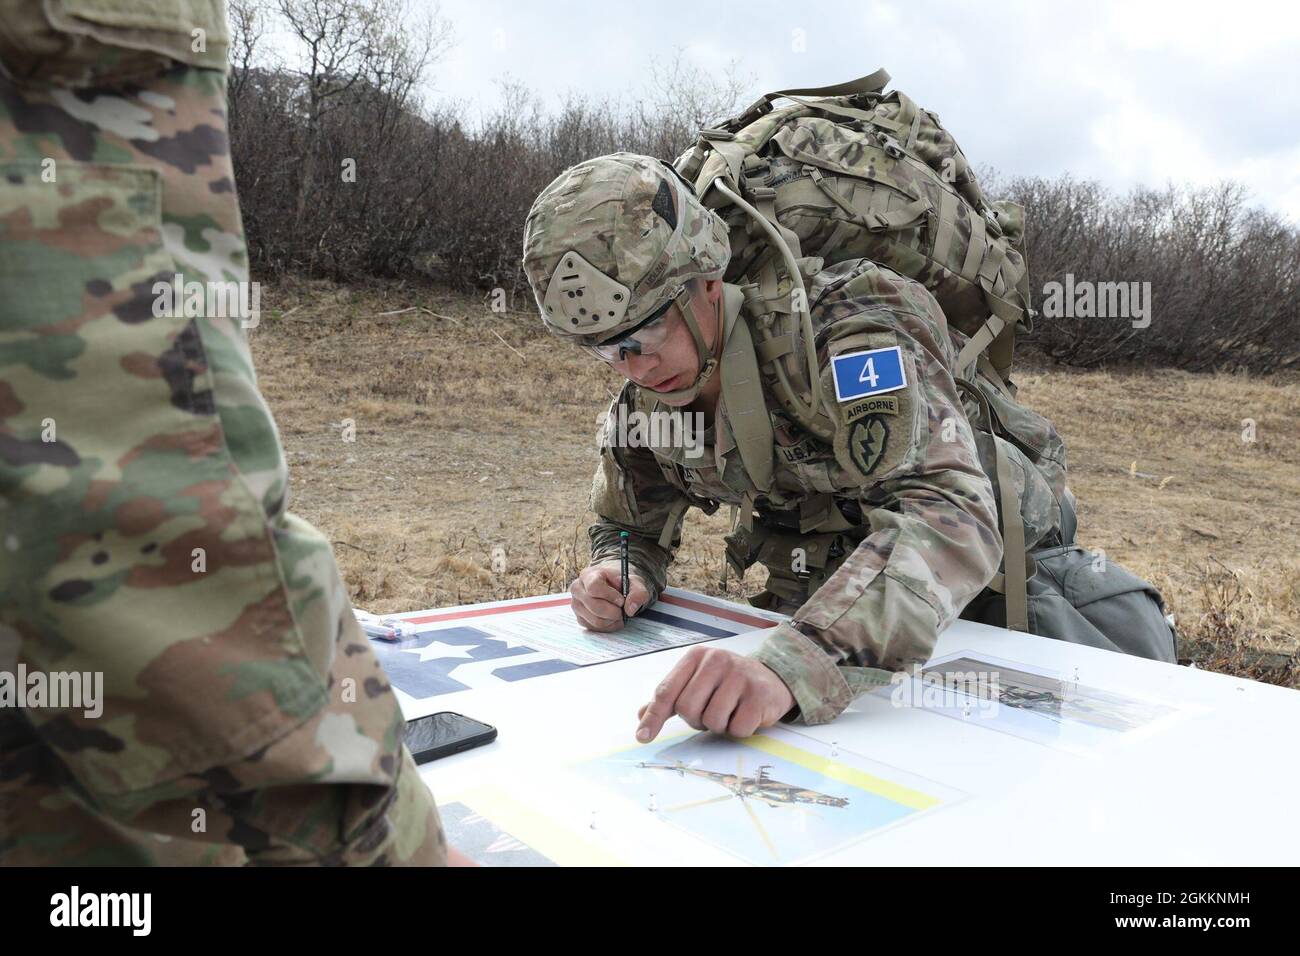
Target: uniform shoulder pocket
<point x="99" y="222"/>
<point x="109" y="42"/>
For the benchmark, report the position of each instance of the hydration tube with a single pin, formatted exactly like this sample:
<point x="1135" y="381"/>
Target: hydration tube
<point x="800" y="301"/>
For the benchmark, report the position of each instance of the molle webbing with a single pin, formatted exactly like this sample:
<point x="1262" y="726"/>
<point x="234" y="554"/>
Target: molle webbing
<point x="865" y="174"/>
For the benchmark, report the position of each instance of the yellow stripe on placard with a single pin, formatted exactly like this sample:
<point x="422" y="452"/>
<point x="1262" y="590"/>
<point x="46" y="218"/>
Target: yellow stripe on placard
<point x="658" y="742"/>
<point x="552" y="840"/>
<point x="843" y="773"/>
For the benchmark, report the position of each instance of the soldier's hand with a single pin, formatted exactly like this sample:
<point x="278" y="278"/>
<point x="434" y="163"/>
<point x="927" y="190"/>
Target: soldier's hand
<point x="716" y="690"/>
<point x="598" y="596"/>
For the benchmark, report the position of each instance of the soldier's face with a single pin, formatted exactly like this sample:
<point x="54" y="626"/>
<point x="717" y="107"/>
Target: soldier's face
<point x="676" y="365"/>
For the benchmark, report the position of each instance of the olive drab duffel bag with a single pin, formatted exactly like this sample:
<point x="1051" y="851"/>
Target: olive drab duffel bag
<point x="861" y="173"/>
<point x="1080" y="596"/>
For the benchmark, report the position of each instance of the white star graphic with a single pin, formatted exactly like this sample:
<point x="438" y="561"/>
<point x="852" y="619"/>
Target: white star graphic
<point x="438" y="649"/>
<point x="502" y="634"/>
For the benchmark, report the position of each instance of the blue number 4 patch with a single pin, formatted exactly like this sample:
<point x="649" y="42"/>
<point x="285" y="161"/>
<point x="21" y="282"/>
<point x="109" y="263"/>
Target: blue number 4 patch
<point x="868" y="373"/>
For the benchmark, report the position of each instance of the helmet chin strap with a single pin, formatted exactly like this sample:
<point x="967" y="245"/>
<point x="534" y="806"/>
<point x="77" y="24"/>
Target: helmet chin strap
<point x="708" y="362"/>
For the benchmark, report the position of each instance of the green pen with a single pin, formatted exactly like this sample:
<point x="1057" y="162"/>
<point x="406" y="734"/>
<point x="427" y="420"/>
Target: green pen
<point x="622" y="554"/>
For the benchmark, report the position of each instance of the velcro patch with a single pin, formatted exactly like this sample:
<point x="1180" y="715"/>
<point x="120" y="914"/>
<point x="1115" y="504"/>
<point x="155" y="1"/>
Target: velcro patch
<point x="874" y="372"/>
<point x="875" y="434"/>
<point x="800" y="451"/>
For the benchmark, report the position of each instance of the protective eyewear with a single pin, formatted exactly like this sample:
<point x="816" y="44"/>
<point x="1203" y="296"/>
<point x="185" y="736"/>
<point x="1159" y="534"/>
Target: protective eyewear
<point x="644" y="339"/>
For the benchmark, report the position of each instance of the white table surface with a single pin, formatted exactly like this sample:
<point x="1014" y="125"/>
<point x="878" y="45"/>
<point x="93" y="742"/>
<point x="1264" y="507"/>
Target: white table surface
<point x="1214" y="784"/>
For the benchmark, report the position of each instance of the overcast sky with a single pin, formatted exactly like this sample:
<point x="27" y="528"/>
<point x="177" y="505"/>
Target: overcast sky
<point x="1124" y="91"/>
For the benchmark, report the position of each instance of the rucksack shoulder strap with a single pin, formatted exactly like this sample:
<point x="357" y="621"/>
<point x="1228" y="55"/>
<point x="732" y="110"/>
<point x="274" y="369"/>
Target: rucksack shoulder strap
<point x="742" y="393"/>
<point x="1013" y="581"/>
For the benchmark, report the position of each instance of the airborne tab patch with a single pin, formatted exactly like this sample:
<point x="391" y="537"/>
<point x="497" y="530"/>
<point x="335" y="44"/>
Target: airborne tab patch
<point x="868" y="373"/>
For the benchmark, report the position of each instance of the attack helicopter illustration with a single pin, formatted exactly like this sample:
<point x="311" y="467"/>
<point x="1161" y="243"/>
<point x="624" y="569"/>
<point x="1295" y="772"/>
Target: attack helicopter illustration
<point x="761" y="788"/>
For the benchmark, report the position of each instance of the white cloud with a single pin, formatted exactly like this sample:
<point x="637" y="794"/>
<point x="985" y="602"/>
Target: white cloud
<point x="1124" y="91"/>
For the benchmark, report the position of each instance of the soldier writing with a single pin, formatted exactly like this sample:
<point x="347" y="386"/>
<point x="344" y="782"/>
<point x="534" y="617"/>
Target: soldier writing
<point x="876" y="531"/>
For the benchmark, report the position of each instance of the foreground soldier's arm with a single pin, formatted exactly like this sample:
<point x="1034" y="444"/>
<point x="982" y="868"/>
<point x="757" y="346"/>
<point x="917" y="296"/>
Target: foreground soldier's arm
<point x="147" y="546"/>
<point x="630" y="493"/>
<point x="934" y="542"/>
<point x="170" y="772"/>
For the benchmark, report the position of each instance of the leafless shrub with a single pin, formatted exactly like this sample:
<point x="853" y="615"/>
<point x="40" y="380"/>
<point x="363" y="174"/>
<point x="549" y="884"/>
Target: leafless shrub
<point x="437" y="195"/>
<point x="433" y="193"/>
<point x="1224" y="277"/>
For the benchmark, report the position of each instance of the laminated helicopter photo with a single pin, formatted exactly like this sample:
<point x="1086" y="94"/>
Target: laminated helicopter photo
<point x="773" y="799"/>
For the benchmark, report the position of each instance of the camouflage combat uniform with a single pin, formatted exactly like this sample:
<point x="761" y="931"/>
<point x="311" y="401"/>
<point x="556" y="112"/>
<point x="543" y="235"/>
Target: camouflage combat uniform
<point x="877" y="520"/>
<point x="143" y="523"/>
<point x="875" y="541"/>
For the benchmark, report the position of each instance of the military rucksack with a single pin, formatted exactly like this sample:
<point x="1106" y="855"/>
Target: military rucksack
<point x="865" y="174"/>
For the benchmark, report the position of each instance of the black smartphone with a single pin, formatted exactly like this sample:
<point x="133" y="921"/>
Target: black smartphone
<point x="439" y="735"/>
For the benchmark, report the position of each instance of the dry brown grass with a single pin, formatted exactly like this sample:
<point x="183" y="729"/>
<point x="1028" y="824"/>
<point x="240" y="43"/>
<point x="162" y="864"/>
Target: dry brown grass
<point x="1168" y="487"/>
<point x="474" y="451"/>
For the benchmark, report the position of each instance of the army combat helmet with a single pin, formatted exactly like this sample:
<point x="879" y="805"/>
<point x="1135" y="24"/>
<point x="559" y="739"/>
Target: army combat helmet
<point x="609" y="247"/>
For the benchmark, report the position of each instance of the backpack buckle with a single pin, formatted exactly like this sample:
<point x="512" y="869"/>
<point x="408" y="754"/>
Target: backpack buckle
<point x="991" y="217"/>
<point x="892" y="147"/>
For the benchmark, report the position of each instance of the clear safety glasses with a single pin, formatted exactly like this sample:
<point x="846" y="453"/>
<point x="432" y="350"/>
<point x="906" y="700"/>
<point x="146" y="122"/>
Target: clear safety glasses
<point x="645" y="339"/>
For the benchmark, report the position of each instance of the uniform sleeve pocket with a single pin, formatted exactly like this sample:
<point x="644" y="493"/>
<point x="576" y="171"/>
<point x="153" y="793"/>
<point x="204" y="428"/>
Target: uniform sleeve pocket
<point x="142" y="555"/>
<point x="109" y="42"/>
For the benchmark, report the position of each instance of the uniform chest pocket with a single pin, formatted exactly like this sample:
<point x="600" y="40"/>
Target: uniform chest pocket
<point x="815" y="474"/>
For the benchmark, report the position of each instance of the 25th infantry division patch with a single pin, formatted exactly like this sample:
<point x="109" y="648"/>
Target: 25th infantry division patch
<point x="867" y="441"/>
